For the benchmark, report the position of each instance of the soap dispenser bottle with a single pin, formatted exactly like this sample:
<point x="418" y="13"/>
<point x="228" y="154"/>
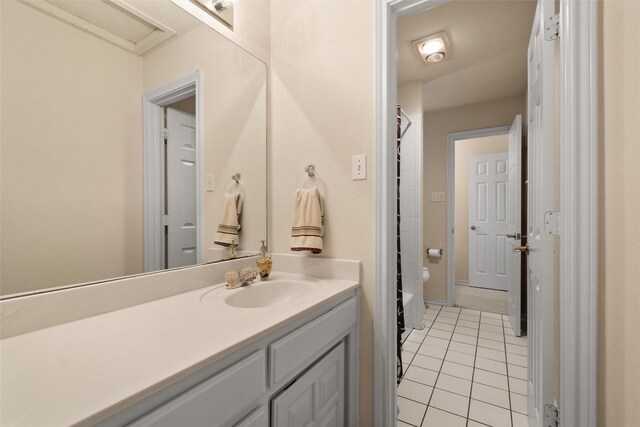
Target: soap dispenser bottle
<point x="264" y="261"/>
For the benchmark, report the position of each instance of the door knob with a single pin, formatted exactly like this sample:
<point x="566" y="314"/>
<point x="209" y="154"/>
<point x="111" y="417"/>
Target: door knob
<point x="521" y="249"/>
<point x="473" y="227"/>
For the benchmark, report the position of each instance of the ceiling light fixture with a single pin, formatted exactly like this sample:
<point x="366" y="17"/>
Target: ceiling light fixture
<point x="434" y="48"/>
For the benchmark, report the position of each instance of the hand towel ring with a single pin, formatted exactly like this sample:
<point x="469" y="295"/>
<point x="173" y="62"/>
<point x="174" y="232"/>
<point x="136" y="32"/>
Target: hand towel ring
<point x="312" y="177"/>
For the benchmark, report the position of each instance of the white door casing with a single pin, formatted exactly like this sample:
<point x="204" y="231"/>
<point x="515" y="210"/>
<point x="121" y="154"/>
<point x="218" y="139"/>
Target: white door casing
<point x="182" y="239"/>
<point x="541" y="195"/>
<point x="488" y="202"/>
<point x="514" y="226"/>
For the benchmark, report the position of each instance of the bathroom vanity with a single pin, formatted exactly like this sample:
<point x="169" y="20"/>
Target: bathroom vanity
<point x="265" y="354"/>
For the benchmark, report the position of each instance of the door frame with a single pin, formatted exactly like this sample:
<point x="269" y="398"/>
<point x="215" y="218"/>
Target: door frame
<point x="451" y="191"/>
<point x="153" y="104"/>
<point x="579" y="112"/>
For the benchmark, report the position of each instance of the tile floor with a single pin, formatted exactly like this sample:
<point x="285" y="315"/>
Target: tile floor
<point x="466" y="368"/>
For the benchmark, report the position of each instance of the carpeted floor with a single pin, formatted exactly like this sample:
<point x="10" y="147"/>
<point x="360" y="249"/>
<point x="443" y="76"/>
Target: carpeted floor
<point x="481" y="299"/>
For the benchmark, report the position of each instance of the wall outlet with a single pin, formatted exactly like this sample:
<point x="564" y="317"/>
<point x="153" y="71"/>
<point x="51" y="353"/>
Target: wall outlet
<point x="437" y="196"/>
<point x="359" y="167"/>
<point x="210" y="182"/>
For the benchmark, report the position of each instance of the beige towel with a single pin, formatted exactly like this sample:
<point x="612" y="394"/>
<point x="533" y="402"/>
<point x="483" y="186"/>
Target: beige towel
<point x="230" y="225"/>
<point x="307" y="221"/>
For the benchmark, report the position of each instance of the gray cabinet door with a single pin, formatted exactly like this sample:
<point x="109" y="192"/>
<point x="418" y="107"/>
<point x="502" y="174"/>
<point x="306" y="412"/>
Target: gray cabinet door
<point x="316" y="398"/>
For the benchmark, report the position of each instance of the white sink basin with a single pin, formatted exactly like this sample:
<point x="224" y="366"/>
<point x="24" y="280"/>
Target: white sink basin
<point x="268" y="293"/>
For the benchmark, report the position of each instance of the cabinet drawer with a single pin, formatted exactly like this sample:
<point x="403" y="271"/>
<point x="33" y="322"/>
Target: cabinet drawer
<point x="214" y="401"/>
<point x="301" y="347"/>
<point x="257" y="418"/>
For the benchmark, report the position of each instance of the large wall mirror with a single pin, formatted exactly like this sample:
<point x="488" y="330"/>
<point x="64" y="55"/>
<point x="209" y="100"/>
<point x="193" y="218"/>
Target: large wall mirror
<point x="133" y="139"/>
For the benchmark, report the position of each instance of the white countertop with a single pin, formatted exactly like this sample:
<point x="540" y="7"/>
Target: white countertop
<point x="82" y="371"/>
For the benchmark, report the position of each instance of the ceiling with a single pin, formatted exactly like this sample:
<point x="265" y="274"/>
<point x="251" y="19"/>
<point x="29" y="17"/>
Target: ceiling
<point x="489" y="60"/>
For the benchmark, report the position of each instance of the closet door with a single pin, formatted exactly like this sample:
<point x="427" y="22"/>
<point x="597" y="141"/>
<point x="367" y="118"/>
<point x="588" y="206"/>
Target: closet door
<point x="316" y="398"/>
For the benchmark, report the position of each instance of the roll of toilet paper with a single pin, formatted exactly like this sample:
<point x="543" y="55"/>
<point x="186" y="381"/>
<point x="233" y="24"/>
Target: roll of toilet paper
<point x="434" y="253"/>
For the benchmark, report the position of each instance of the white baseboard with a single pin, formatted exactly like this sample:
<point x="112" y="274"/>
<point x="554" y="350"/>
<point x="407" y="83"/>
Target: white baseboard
<point x="461" y="282"/>
<point x="435" y="301"/>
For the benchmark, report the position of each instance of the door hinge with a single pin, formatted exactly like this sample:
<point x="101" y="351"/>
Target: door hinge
<point x="552" y="223"/>
<point x="165" y="134"/>
<point x="551" y="416"/>
<point x="165" y="219"/>
<point x="552" y="28"/>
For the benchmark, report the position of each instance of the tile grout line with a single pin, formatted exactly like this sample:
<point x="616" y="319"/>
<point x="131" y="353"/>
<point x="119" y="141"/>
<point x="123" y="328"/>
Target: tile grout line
<point x="441" y="364"/>
<point x="506" y="360"/>
<point x="473" y="373"/>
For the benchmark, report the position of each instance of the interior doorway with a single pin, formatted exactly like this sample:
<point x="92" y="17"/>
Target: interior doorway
<point x="477" y="209"/>
<point x="172" y="167"/>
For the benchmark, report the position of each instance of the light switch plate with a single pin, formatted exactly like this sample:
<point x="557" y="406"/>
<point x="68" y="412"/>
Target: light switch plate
<point x="359" y="167"/>
<point x="437" y="196"/>
<point x="210" y="182"/>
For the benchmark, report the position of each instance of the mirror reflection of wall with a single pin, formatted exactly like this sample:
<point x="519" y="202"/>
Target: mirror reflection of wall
<point x="72" y="158"/>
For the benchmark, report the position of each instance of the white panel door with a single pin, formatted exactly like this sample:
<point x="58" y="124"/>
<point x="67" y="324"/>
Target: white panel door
<point x="181" y="189"/>
<point x="488" y="202"/>
<point x="541" y="192"/>
<point x="514" y="227"/>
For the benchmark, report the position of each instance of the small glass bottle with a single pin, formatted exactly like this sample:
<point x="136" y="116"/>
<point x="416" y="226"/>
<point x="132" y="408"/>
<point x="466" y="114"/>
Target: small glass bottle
<point x="264" y="261"/>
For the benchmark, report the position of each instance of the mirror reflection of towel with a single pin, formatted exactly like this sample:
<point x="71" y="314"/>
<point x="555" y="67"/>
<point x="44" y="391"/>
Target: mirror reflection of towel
<point x="229" y="227"/>
<point x="307" y="221"/>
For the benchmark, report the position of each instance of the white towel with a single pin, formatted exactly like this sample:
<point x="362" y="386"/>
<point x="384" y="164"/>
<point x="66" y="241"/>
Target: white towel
<point x="229" y="226"/>
<point x="307" y="221"/>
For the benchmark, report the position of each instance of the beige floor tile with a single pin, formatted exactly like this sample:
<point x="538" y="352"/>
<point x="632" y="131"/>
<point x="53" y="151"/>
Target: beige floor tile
<point x="427" y="362"/>
<point x="491" y="365"/>
<point x="410" y="346"/>
<point x="451" y="309"/>
<point x="467" y="339"/>
<point x="468" y="324"/>
<point x="469" y="318"/>
<point x="520" y="420"/>
<point x="416" y="336"/>
<point x="489" y="414"/>
<point x="462" y="347"/>
<point x="516" y="349"/>
<point x="421" y="375"/>
<point x="491" y="336"/>
<point x="487" y="315"/>
<point x="466" y="331"/>
<point x="431" y="351"/>
<point x="439" y="334"/>
<point x="411" y="412"/>
<point x="461" y="358"/>
<point x="515" y="359"/>
<point x="491" y="328"/>
<point x="487" y="353"/>
<point x="447" y="314"/>
<point x="518" y="372"/>
<point x="407" y="356"/>
<point x="491" y="322"/>
<point x="493" y="345"/>
<point x="402" y="424"/>
<point x="457" y="370"/>
<point x="436" y="342"/>
<point x="492" y="395"/>
<point x="491" y="378"/>
<point x="522" y="341"/>
<point x="443" y="326"/>
<point x="519" y="403"/>
<point x="449" y="320"/>
<point x="471" y="312"/>
<point x="437" y="418"/>
<point x="415" y="391"/>
<point x="518" y="386"/>
<point x="450" y="402"/>
<point x="453" y="384"/>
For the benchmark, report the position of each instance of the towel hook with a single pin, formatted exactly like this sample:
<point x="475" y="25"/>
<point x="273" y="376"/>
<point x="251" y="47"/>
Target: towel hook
<point x="236" y="177"/>
<point x="311" y="170"/>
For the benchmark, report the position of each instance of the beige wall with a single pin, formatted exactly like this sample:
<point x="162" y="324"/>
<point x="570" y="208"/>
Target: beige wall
<point x="234" y="125"/>
<point x="465" y="148"/>
<point x="410" y="97"/>
<point x="85" y="141"/>
<point x="322" y="109"/>
<point x="437" y="125"/>
<point x="619" y="295"/>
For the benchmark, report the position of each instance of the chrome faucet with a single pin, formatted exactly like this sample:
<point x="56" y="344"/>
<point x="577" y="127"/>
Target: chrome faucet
<point x="235" y="280"/>
<point x="231" y="253"/>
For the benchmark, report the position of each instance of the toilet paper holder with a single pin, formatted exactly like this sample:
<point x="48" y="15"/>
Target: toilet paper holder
<point x="433" y="252"/>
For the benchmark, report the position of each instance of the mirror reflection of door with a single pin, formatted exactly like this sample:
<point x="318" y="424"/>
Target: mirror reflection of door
<point x="180" y="185"/>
